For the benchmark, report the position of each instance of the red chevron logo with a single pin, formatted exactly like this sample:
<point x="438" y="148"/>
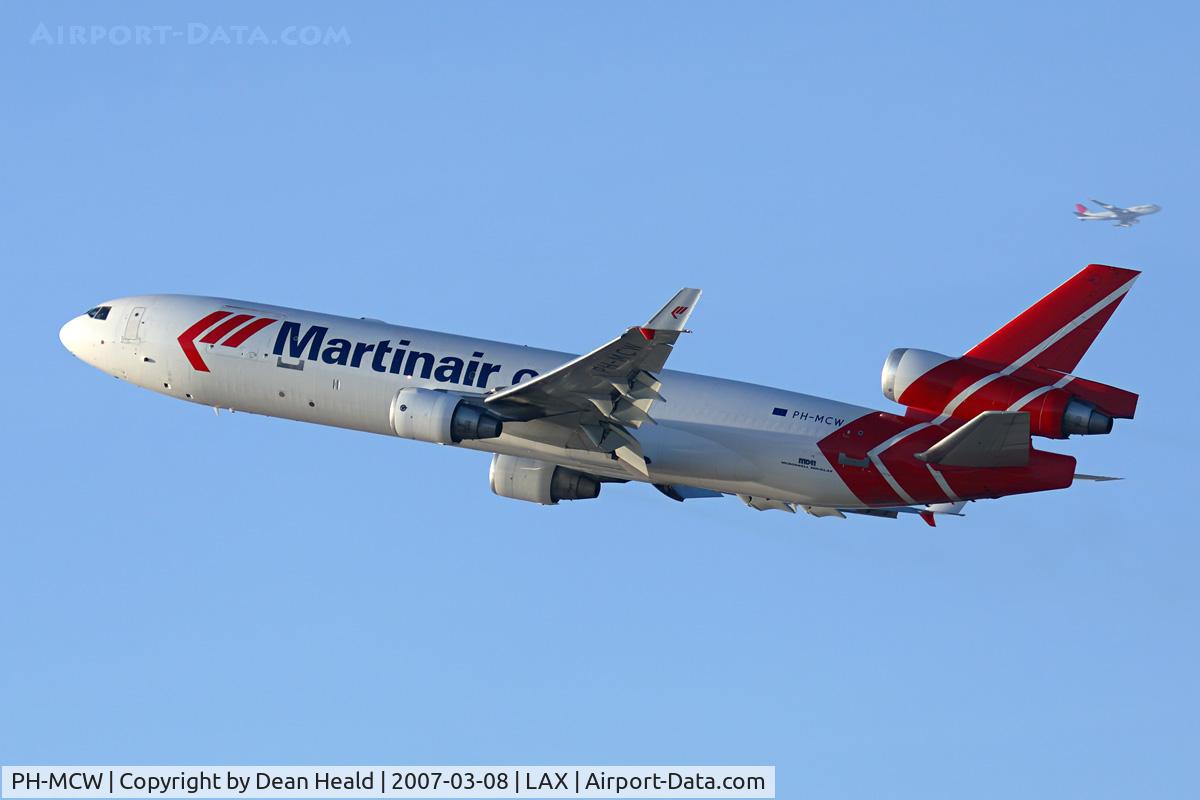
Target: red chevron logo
<point x="235" y="330"/>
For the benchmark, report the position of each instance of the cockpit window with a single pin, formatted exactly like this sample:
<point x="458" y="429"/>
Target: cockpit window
<point x="99" y="312"/>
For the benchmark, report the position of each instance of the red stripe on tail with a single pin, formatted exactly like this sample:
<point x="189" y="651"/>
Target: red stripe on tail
<point x="1057" y="330"/>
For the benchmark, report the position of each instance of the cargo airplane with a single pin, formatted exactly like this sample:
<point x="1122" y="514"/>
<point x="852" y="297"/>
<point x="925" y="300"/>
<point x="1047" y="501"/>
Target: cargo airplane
<point x="560" y="426"/>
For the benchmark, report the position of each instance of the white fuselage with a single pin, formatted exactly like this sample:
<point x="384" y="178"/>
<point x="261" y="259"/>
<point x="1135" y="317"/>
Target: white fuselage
<point x="712" y="433"/>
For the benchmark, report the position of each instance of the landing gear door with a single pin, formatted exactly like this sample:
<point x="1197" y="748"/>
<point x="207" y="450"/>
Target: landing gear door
<point x="133" y="325"/>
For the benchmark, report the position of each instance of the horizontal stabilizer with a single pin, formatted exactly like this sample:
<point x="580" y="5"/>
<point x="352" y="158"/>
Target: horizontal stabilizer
<point x="992" y="439"/>
<point x="1081" y="477"/>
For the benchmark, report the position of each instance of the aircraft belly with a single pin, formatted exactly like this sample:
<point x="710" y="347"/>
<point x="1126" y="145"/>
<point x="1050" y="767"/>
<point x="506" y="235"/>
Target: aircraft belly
<point x="763" y="464"/>
<point x="815" y="488"/>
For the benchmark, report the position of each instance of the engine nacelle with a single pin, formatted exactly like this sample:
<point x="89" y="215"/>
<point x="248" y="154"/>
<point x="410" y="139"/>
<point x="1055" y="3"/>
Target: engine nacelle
<point x="903" y="366"/>
<point x="539" y="481"/>
<point x="964" y="387"/>
<point x="432" y="416"/>
<point x="1083" y="418"/>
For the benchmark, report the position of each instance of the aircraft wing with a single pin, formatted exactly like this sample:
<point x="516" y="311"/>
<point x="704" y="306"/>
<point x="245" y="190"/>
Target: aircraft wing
<point x="1108" y="206"/>
<point x="612" y="388"/>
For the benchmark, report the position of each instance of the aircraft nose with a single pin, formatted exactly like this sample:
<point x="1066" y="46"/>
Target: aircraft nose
<point x="69" y="335"/>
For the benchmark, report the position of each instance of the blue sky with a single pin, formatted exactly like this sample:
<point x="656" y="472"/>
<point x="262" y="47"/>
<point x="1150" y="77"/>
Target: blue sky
<point x="841" y="179"/>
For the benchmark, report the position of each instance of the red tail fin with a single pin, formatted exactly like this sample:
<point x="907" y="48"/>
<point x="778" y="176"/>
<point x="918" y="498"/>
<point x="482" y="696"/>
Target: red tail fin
<point x="1057" y="330"/>
<point x="1080" y="208"/>
<point x="1026" y="365"/>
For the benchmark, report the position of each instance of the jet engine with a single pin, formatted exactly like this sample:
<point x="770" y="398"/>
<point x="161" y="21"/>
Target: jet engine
<point x="539" y="481"/>
<point x="1058" y="404"/>
<point x="903" y="366"/>
<point x="428" y="415"/>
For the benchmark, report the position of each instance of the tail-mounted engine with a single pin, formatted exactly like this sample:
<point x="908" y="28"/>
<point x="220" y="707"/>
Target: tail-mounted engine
<point x="540" y="481"/>
<point x="1026" y="365"/>
<point x="961" y="388"/>
<point x="434" y="416"/>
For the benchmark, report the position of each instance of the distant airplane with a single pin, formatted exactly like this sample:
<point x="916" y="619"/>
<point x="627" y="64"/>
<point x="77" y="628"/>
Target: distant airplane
<point x="1125" y="217"/>
<point x="560" y="426"/>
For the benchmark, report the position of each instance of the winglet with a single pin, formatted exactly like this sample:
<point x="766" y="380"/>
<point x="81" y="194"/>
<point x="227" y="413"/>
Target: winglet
<point x="674" y="315"/>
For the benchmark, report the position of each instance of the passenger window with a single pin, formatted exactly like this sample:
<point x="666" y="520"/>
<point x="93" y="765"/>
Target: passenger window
<point x="99" y="312"/>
